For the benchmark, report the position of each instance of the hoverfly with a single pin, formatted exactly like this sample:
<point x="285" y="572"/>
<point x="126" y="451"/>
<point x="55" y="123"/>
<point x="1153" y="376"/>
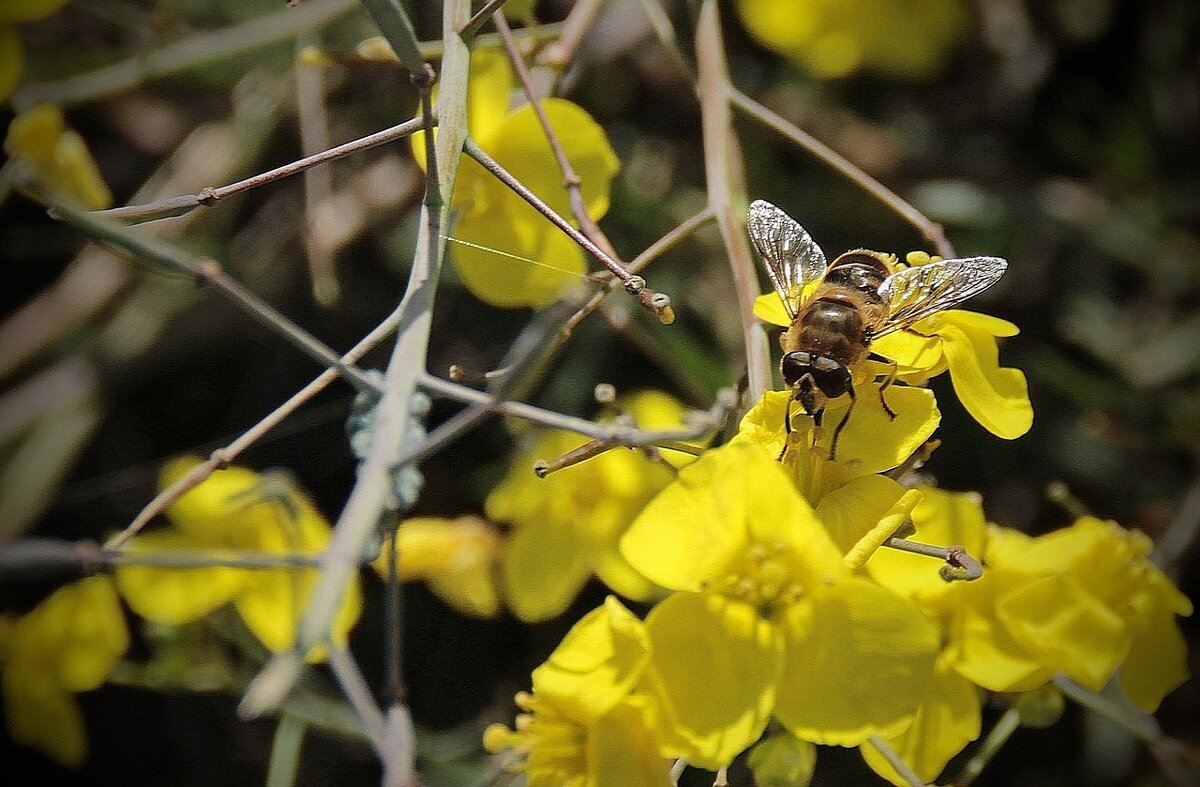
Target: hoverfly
<point x="858" y="300"/>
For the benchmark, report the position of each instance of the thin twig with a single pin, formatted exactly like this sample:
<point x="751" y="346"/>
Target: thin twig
<point x="960" y="564"/>
<point x="372" y="489"/>
<point x="931" y="230"/>
<point x="575" y="28"/>
<point x="184" y="54"/>
<point x="313" y="121"/>
<point x="480" y="19"/>
<point x="637" y="265"/>
<point x="178" y="206"/>
<point x="354" y="686"/>
<point x="656" y="302"/>
<point x="726" y="191"/>
<point x="204" y="272"/>
<point x="1001" y="731"/>
<point x="571" y="180"/>
<point x="896" y="761"/>
<point x="393" y="22"/>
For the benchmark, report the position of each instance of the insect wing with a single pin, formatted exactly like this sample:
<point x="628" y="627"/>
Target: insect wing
<point x="792" y="258"/>
<point x="922" y="290"/>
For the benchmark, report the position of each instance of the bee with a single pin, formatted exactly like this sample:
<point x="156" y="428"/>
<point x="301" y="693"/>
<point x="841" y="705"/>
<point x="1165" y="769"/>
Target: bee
<point x="859" y="299"/>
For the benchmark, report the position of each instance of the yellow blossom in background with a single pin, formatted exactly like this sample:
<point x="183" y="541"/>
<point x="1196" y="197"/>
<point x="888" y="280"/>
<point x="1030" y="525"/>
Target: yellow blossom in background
<point x="457" y="558"/>
<point x="12" y="51"/>
<point x="834" y="38"/>
<point x="67" y="644"/>
<point x="236" y="510"/>
<point x="491" y="215"/>
<point x="767" y="620"/>
<point x="566" y="526"/>
<point x="587" y="723"/>
<point x="56" y="156"/>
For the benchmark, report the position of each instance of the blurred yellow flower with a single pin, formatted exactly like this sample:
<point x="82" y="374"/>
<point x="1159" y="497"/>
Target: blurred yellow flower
<point x="457" y="558"/>
<point x="12" y="52"/>
<point x="56" y="156"/>
<point x="586" y="724"/>
<point x="566" y="526"/>
<point x="236" y="510"/>
<point x="67" y="644"/>
<point x="767" y="620"/>
<point x="491" y="215"/>
<point x="834" y="38"/>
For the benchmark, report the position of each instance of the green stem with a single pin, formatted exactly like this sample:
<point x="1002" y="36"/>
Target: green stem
<point x="1001" y="731"/>
<point x="285" y="751"/>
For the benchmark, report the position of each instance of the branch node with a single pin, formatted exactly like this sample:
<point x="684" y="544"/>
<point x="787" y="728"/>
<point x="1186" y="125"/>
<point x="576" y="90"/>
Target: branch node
<point x="208" y="196"/>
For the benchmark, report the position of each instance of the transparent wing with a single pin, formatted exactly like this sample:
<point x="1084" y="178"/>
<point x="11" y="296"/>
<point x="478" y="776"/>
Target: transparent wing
<point x="791" y="257"/>
<point x="917" y="292"/>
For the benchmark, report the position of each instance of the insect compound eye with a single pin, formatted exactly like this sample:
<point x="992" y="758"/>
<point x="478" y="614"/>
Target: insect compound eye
<point x="831" y="377"/>
<point x="795" y="365"/>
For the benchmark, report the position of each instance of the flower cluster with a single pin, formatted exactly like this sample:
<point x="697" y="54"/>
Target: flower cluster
<point x="73" y="639"/>
<point x="784" y="625"/>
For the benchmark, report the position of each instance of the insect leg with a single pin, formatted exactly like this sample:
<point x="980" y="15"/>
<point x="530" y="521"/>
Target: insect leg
<point x="888" y="379"/>
<point x="787" y="429"/>
<point x="842" y="423"/>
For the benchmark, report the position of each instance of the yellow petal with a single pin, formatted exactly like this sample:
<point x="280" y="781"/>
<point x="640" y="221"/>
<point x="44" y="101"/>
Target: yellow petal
<point x="912" y="352"/>
<point x="982" y="648"/>
<point x="175" y="595"/>
<point x="508" y="225"/>
<point x="520" y="145"/>
<point x="852" y="510"/>
<point x="597" y="664"/>
<point x="1066" y="629"/>
<point x="871" y="441"/>
<point x="43" y="715"/>
<point x="12" y="62"/>
<point x="490" y="81"/>
<point x="75" y="173"/>
<point x="859" y="660"/>
<point x="456" y="557"/>
<point x="97" y="636"/>
<point x="998" y="398"/>
<point x="770" y="309"/>
<point x="698" y="526"/>
<point x="946" y="722"/>
<point x="544" y="566"/>
<point x="615" y="572"/>
<point x="715" y="666"/>
<point x="622" y="748"/>
<point x="1157" y="660"/>
<point x="272" y="601"/>
<point x="975" y="321"/>
<point x="34" y="133"/>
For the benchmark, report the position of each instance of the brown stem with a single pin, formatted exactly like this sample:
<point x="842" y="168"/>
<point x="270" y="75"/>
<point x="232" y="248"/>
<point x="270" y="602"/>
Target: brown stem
<point x="931" y="230"/>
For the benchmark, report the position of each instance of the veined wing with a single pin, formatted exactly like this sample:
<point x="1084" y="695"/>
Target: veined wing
<point x="792" y="258"/>
<point x="917" y="292"/>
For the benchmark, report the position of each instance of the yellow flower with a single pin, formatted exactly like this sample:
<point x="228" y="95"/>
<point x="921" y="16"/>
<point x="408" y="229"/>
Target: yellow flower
<point x="491" y="215"/>
<point x="949" y="718"/>
<point x="235" y="510"/>
<point x="57" y="156"/>
<point x="833" y="38"/>
<point x="12" y="52"/>
<point x="456" y="557"/>
<point x="67" y="644"/>
<point x="957" y="340"/>
<point x="767" y="619"/>
<point x="871" y="442"/>
<point x="566" y="526"/>
<point x="586" y="724"/>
